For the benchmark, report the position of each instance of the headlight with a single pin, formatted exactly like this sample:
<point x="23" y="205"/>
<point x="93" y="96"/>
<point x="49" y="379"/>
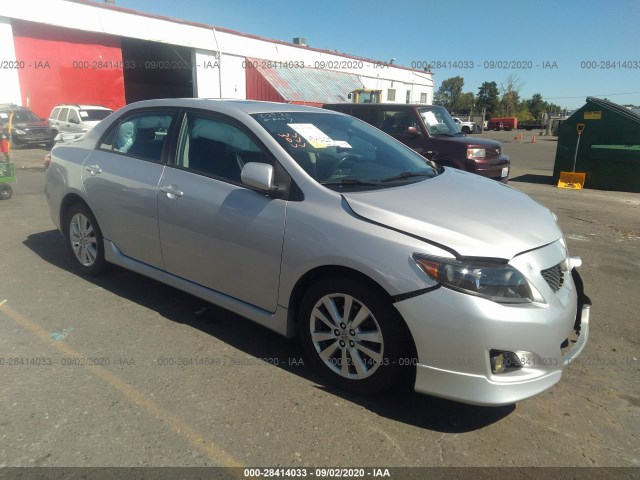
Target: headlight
<point x="497" y="282"/>
<point x="476" y="153"/>
<point x="17" y="131"/>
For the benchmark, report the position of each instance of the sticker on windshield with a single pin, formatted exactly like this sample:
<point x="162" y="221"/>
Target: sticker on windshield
<point x="83" y="114"/>
<point x="294" y="140"/>
<point x="4" y="115"/>
<point x="312" y="134"/>
<point x="275" y="117"/>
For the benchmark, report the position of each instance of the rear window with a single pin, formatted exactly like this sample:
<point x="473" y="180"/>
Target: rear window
<point x="92" y="115"/>
<point x="54" y="113"/>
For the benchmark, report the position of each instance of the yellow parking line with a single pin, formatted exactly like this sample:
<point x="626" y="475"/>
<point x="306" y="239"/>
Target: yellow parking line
<point x="215" y="453"/>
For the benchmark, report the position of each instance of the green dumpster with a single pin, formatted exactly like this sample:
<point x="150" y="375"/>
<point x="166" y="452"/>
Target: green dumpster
<point x="609" y="147"/>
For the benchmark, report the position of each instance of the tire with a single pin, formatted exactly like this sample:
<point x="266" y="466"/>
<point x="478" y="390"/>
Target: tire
<point x="5" y="191"/>
<point x="466" y="130"/>
<point x="372" y="348"/>
<point x="84" y="240"/>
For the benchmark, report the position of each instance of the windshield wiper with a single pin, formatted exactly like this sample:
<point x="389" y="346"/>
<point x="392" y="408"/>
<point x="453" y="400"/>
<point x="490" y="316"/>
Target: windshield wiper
<point x="402" y="175"/>
<point x="351" y="181"/>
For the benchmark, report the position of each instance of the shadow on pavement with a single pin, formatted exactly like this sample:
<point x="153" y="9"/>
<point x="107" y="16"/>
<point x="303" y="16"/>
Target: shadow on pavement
<point x="534" y="178"/>
<point x="402" y="404"/>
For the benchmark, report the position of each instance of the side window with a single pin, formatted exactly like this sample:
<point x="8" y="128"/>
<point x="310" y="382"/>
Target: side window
<point x="139" y="135"/>
<point x="55" y="113"/>
<point x="366" y="115"/>
<point x="396" y="122"/>
<point x="73" y="116"/>
<point x="215" y="147"/>
<point x="63" y="115"/>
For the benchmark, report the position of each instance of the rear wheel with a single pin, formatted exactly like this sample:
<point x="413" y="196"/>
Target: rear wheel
<point x="84" y="240"/>
<point x="352" y="335"/>
<point x="5" y="191"/>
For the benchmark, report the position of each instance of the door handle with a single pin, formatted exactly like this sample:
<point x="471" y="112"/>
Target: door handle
<point x="94" y="169"/>
<point x="171" y="191"/>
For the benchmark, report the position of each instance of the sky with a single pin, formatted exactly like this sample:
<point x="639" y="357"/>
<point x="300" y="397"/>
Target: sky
<point x="565" y="50"/>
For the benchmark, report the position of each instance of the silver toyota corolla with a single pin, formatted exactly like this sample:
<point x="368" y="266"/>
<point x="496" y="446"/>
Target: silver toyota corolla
<point x="316" y="224"/>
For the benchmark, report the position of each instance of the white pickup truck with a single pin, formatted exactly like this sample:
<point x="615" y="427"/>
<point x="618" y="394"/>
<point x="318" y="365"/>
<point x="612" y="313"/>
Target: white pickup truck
<point x="466" y="127"/>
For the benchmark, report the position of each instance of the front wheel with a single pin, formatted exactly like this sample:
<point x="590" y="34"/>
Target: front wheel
<point x="352" y="335"/>
<point x="84" y="240"/>
<point x="5" y="191"/>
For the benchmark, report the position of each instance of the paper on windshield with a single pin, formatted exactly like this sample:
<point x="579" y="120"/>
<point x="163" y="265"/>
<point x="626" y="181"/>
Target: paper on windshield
<point x="430" y="118"/>
<point x="83" y="114"/>
<point x="312" y="134"/>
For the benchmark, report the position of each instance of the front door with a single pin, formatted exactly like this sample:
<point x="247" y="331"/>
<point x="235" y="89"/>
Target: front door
<point x="213" y="230"/>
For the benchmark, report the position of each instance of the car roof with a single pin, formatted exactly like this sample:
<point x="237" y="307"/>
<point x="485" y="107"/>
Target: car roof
<point x="396" y="106"/>
<point x="82" y="107"/>
<point x="12" y="108"/>
<point x="229" y="106"/>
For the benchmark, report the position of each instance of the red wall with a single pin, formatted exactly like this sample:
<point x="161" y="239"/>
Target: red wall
<point x="257" y="86"/>
<point x="55" y="60"/>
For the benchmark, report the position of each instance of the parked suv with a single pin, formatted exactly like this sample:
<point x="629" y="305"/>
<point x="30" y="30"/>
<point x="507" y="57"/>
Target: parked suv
<point x="76" y="118"/>
<point x="27" y="128"/>
<point x="430" y="131"/>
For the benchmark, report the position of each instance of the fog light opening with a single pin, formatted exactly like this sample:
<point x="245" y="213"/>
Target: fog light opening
<point x="503" y="361"/>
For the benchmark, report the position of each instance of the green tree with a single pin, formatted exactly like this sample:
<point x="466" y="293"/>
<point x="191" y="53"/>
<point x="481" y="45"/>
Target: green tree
<point x="488" y="98"/>
<point x="523" y="114"/>
<point x="536" y="106"/>
<point x="466" y="103"/>
<point x="448" y="95"/>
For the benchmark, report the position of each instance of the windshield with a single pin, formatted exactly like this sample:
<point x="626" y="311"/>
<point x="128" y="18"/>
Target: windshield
<point x="25" y="116"/>
<point x="438" y="121"/>
<point x="94" y="115"/>
<point x="340" y="151"/>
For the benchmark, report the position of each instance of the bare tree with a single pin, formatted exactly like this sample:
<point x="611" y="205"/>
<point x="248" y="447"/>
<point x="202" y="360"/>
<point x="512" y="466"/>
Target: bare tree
<point x="510" y="90"/>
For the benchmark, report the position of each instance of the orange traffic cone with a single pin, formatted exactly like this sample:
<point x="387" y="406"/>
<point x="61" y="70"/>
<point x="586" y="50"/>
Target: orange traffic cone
<point x="520" y="135"/>
<point x="533" y="140"/>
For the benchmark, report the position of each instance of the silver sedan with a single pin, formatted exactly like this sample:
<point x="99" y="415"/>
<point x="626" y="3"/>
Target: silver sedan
<point x="313" y="223"/>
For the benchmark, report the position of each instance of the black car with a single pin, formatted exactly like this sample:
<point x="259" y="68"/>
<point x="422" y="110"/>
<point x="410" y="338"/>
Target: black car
<point x="26" y="127"/>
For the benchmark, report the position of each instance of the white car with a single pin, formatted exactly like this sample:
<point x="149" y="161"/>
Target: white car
<point x="316" y="224"/>
<point x="72" y="120"/>
<point x="466" y="127"/>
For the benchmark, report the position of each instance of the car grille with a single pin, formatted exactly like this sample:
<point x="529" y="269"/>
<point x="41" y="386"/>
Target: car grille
<point x="554" y="276"/>
<point x="492" y="152"/>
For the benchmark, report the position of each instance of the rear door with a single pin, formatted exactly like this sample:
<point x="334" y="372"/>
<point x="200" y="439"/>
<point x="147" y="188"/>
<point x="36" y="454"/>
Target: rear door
<point x="121" y="179"/>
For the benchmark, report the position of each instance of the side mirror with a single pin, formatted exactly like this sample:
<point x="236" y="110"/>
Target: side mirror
<point x="413" y="131"/>
<point x="258" y="175"/>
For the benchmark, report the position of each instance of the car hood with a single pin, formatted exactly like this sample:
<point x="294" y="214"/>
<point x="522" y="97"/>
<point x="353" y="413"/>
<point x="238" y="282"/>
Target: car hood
<point x="465" y="141"/>
<point x="471" y="215"/>
<point x="42" y="123"/>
